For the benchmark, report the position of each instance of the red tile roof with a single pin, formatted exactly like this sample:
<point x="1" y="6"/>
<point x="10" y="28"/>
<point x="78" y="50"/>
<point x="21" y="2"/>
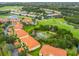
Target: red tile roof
<point x="18" y="26"/>
<point x="27" y="39"/>
<point x="20" y="33"/>
<point x="49" y="50"/>
<point x="30" y="42"/>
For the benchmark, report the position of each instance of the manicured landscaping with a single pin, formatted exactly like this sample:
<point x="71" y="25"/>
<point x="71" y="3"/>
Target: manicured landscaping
<point x="28" y="28"/>
<point x="61" y="25"/>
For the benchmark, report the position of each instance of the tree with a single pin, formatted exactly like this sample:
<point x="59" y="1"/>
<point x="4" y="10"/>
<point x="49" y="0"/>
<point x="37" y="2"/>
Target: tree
<point x="72" y="51"/>
<point x="25" y="52"/>
<point x="1" y="48"/>
<point x="1" y="42"/>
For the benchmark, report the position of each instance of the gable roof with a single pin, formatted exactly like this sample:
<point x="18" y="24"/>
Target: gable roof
<point x="47" y="50"/>
<point x="18" y="25"/>
<point x="27" y="19"/>
<point x="30" y="42"/>
<point x="20" y="33"/>
<point x="27" y="39"/>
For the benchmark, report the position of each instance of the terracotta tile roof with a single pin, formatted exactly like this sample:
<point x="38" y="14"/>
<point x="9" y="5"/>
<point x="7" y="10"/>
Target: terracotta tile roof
<point x="18" y="26"/>
<point x="47" y="50"/>
<point x="27" y="39"/>
<point x="20" y="33"/>
<point x="30" y="42"/>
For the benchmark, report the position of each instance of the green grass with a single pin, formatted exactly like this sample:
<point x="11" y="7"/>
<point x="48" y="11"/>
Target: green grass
<point x="10" y="8"/>
<point x="35" y="52"/>
<point x="29" y="28"/>
<point x="21" y="17"/>
<point x="75" y="33"/>
<point x="51" y="21"/>
<point x="4" y="16"/>
<point x="60" y="23"/>
<point x="7" y="15"/>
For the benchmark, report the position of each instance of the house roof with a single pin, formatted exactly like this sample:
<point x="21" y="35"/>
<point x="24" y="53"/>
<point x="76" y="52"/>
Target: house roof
<point x="20" y="33"/>
<point x="27" y="39"/>
<point x="30" y="42"/>
<point x="18" y="25"/>
<point x="27" y="19"/>
<point x="11" y="20"/>
<point x="49" y="50"/>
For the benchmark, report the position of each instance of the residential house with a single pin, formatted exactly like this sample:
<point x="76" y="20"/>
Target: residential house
<point x="23" y="13"/>
<point x="27" y="20"/>
<point x="18" y="25"/>
<point x="13" y="19"/>
<point x="48" y="50"/>
<point x="27" y="39"/>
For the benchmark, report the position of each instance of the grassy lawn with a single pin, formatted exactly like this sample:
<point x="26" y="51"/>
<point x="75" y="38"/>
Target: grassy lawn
<point x="61" y="24"/>
<point x="21" y="17"/>
<point x="7" y="15"/>
<point x="28" y="28"/>
<point x="10" y="8"/>
<point x="35" y="52"/>
<point x="52" y="21"/>
<point x="4" y="16"/>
